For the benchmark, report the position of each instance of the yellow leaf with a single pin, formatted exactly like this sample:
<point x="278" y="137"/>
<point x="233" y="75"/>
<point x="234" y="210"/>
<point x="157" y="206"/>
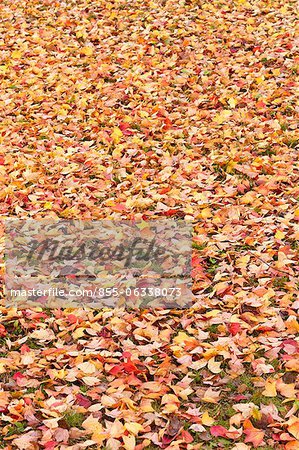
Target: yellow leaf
<point x="270" y="389"/>
<point x="170" y="398"/>
<point x="129" y="442"/>
<point x="227" y="133"/>
<point x="81" y="33"/>
<point x="214" y="366"/>
<point x="117" y="153"/>
<point x="79" y="332"/>
<point x="256" y="414"/>
<point x="182" y="337"/>
<point x="213" y="313"/>
<point x="60" y="374"/>
<point x="207" y="420"/>
<point x="230" y="166"/>
<point x="292" y="325"/>
<point x="232" y="102"/>
<point x="48" y="205"/>
<point x="170" y="408"/>
<point x="259" y="80"/>
<point x="90" y="381"/>
<point x="292" y="445"/>
<point x="63" y="112"/>
<point x="248" y="198"/>
<point x="287" y="390"/>
<point x="296" y="213"/>
<point x="94" y="427"/>
<point x="130" y="404"/>
<point x="294" y="429"/>
<point x="87" y="367"/>
<point x="116" y="135"/>
<point x="172" y="403"/>
<point x="279" y="235"/>
<point x="206" y="213"/>
<point x="16" y="54"/>
<point x="87" y="51"/>
<point x="222" y="116"/>
<point x="146" y="405"/>
<point x="133" y="427"/>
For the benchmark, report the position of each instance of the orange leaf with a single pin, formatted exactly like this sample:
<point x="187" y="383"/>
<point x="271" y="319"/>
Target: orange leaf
<point x="253" y="435"/>
<point x="294" y="429"/>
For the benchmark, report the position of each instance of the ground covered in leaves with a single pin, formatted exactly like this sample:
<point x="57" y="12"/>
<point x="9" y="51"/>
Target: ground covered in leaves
<point x="147" y="109"/>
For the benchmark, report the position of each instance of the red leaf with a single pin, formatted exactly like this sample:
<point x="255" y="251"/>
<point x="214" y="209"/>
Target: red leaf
<point x="50" y="445"/>
<point x="218" y="431"/>
<point x="123" y="126"/>
<point x="186" y="436"/>
<point x="239" y="397"/>
<point x="83" y="401"/>
<point x="171" y="212"/>
<point x="166" y="440"/>
<point x="234" y="328"/>
<point x="2" y="330"/>
<point x="129" y="367"/>
<point x="17" y="376"/>
<point x="116" y="369"/>
<point x="253" y="435"/>
<point x="24" y="349"/>
<point x="164" y="190"/>
<point x="71" y="318"/>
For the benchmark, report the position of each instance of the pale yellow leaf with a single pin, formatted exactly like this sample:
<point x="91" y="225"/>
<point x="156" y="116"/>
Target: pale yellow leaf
<point x="206" y="419"/>
<point x="222" y="116"/>
<point x="270" y="389"/>
<point x="129" y="442"/>
<point x="87" y="51"/>
<point x="133" y="427"/>
<point x="116" y="135"/>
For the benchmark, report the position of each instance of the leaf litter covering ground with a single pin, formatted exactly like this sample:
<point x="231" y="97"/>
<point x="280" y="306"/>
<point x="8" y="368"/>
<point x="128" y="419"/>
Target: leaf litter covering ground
<point x="145" y="110"/>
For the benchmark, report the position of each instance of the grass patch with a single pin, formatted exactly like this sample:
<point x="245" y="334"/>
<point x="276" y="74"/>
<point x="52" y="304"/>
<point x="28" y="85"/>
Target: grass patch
<point x="156" y="406"/>
<point x="74" y="419"/>
<point x="280" y="282"/>
<point x="16" y="428"/>
<point x="197" y="377"/>
<point x="199" y="247"/>
<point x="212" y="265"/>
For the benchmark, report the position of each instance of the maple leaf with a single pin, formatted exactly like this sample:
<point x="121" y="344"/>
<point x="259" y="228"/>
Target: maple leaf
<point x="270" y="389"/>
<point x="94" y="427"/>
<point x="123" y="113"/>
<point x="293" y="428"/>
<point x="222" y="116"/>
<point x="206" y="419"/>
<point x="234" y="328"/>
<point x="83" y="401"/>
<point x="253" y="435"/>
<point x="2" y="330"/>
<point x="218" y="431"/>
